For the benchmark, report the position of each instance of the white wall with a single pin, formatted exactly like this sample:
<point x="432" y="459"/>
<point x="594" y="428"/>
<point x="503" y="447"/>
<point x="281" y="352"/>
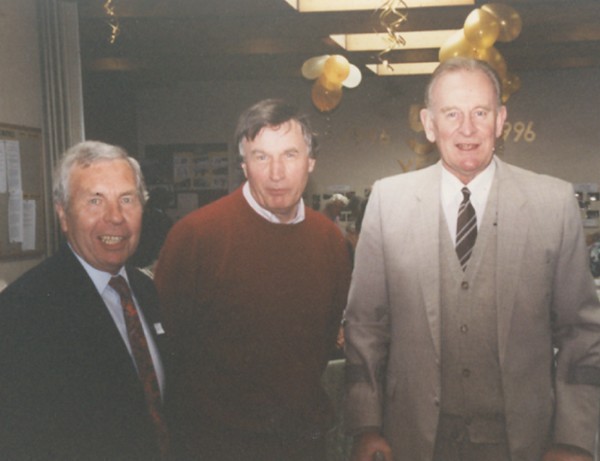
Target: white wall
<point x="20" y="86"/>
<point x="367" y="136"/>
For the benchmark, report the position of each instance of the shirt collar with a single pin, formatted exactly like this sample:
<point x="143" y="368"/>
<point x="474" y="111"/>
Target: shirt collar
<point x="99" y="278"/>
<point x="479" y="186"/>
<point x="271" y="217"/>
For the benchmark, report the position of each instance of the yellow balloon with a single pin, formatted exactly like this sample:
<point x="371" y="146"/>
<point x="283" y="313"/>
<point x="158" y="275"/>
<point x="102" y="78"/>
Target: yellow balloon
<point x="325" y="100"/>
<point x="493" y="57"/>
<point x="328" y="84"/>
<point x="336" y="68"/>
<point x="457" y="45"/>
<point x="508" y="18"/>
<point x="481" y="28"/>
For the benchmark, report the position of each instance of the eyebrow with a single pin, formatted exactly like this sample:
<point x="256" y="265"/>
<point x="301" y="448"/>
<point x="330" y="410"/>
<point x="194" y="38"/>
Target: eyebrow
<point x="449" y="108"/>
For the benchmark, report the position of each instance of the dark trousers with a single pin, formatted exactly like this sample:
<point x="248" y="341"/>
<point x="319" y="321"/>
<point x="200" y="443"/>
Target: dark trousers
<point x="453" y="443"/>
<point x="224" y="444"/>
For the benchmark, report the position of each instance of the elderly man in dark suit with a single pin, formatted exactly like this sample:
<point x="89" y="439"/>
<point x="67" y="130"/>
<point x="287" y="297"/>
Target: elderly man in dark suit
<point x="81" y="373"/>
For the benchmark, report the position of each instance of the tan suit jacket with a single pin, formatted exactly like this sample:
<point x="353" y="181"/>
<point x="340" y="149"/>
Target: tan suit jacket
<point x="545" y="301"/>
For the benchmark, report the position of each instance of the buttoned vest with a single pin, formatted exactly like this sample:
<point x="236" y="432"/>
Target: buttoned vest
<point x="471" y="375"/>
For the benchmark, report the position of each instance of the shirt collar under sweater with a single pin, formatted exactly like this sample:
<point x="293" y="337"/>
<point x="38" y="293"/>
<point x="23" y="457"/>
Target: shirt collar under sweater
<point x="266" y="213"/>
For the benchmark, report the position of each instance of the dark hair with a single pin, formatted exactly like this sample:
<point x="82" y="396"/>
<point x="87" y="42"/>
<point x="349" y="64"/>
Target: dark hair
<point x="468" y="64"/>
<point x="272" y="113"/>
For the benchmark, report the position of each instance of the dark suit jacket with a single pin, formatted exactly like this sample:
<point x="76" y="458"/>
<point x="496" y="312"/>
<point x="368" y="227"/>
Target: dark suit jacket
<point x="68" y="386"/>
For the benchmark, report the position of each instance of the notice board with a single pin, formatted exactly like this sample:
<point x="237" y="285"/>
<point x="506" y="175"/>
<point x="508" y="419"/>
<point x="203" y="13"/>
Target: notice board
<point x="22" y="197"/>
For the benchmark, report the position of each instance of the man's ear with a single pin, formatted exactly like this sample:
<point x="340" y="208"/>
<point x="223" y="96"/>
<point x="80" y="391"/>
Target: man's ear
<point x="62" y="217"/>
<point x="500" y="119"/>
<point x="243" y="165"/>
<point x="427" y="121"/>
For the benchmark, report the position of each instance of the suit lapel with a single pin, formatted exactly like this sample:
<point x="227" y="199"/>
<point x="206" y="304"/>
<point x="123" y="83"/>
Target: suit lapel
<point x="88" y="321"/>
<point x="512" y="238"/>
<point x="427" y="235"/>
<point x="512" y="232"/>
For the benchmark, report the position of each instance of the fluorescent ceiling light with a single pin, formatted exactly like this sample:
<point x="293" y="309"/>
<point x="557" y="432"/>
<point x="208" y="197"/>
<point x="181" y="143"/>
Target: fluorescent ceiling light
<point x="305" y="6"/>
<point x="406" y="68"/>
<point x="381" y="41"/>
<point x="113" y="64"/>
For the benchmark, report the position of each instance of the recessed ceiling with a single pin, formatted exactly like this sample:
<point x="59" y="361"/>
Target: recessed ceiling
<point x="186" y="40"/>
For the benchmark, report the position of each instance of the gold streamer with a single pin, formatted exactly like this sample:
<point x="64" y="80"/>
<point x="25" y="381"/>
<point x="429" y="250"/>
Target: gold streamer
<point x="113" y="21"/>
<point x="391" y="18"/>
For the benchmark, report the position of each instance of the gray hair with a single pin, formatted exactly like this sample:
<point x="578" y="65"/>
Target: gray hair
<point x="85" y="154"/>
<point x="467" y="64"/>
<point x="272" y="113"/>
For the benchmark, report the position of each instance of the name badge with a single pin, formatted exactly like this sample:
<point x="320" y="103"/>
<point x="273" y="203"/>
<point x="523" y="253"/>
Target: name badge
<point x="159" y="328"/>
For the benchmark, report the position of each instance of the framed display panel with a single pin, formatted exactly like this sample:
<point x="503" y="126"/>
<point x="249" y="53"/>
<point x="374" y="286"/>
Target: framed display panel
<point x="22" y="196"/>
<point x="197" y="174"/>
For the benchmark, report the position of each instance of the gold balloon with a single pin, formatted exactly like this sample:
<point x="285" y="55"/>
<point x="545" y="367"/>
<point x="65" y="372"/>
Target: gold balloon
<point x="493" y="57"/>
<point x="508" y="18"/>
<point x="328" y="84"/>
<point x="336" y="68"/>
<point x="481" y="28"/>
<point x="325" y="100"/>
<point x="457" y="45"/>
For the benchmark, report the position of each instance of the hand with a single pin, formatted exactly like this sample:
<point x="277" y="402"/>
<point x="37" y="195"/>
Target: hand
<point x="367" y="444"/>
<point x="339" y="343"/>
<point x="566" y="453"/>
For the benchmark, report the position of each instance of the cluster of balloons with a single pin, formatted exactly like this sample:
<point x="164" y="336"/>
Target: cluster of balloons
<point x="330" y="73"/>
<point x="483" y="27"/>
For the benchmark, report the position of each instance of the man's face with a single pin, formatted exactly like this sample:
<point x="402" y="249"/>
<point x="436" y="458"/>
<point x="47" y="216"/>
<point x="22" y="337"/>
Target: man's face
<point x="277" y="165"/>
<point x="104" y="217"/>
<point x="464" y="120"/>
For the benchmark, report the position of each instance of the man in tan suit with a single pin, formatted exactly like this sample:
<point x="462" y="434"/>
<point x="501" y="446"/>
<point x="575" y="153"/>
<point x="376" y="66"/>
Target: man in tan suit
<point x="488" y="352"/>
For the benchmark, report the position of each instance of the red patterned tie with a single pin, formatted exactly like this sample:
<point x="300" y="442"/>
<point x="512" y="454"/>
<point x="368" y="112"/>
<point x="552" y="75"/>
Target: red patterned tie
<point x="143" y="360"/>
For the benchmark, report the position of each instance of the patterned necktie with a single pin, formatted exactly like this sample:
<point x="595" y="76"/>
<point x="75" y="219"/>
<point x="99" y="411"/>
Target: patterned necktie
<point x="143" y="360"/>
<point x="466" y="229"/>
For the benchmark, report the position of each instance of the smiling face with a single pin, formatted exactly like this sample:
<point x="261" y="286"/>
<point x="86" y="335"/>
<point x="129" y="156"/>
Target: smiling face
<point x="464" y="119"/>
<point x="103" y="219"/>
<point x="277" y="165"/>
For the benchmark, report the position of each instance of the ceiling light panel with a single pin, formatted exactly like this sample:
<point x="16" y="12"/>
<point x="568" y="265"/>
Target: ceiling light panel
<point x="405" y="68"/>
<point x="307" y="6"/>
<point x="379" y="41"/>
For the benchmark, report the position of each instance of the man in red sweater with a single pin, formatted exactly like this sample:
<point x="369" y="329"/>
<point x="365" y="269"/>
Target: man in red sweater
<point x="253" y="287"/>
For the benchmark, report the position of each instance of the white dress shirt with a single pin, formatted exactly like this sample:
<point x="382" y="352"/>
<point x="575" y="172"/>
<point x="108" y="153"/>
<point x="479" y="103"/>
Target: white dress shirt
<point x="266" y="213"/>
<point x="113" y="303"/>
<point x="452" y="196"/>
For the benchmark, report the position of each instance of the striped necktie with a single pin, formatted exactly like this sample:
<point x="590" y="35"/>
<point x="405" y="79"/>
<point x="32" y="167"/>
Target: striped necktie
<point x="143" y="360"/>
<point x="466" y="229"/>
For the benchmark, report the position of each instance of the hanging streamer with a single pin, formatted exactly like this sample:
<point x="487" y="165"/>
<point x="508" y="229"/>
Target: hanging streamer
<point x="113" y="21"/>
<point x="391" y="19"/>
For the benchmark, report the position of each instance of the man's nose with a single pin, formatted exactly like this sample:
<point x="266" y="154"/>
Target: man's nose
<point x="277" y="170"/>
<point x="113" y="212"/>
<point x="467" y="126"/>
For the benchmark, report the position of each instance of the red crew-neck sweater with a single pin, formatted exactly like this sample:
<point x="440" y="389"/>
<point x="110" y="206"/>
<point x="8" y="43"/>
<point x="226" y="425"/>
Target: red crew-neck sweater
<point x="252" y="309"/>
